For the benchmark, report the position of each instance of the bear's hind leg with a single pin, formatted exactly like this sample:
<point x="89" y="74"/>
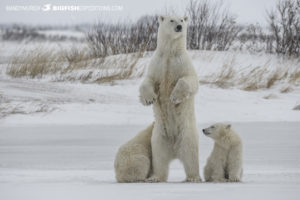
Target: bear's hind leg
<point x="161" y="157"/>
<point x="188" y="155"/>
<point x="133" y="168"/>
<point x="235" y="170"/>
<point x="218" y="173"/>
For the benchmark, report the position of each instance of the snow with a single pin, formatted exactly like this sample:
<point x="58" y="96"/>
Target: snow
<point x="66" y="33"/>
<point x="74" y="103"/>
<point x="58" y="138"/>
<point x="76" y="162"/>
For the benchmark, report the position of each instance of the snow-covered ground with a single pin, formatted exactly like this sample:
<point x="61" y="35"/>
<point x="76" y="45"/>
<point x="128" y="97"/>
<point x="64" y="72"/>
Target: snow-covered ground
<point x="40" y="102"/>
<point x="58" y="138"/>
<point x="76" y="162"/>
<point x="58" y="141"/>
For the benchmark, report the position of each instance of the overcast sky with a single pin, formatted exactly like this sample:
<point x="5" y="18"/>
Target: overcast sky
<point x="247" y="11"/>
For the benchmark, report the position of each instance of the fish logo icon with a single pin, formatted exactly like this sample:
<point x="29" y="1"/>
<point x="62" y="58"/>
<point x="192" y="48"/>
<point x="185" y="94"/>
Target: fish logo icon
<point x="46" y="7"/>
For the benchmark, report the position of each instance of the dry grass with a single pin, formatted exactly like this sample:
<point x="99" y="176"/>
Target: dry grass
<point x="224" y="78"/>
<point x="73" y="65"/>
<point x="271" y="96"/>
<point x="102" y="70"/>
<point x="125" y="73"/>
<point x="286" y="89"/>
<point x="75" y="55"/>
<point x="35" y="64"/>
<point x="261" y="78"/>
<point x="251" y="78"/>
<point x="295" y="76"/>
<point x="78" y="65"/>
<point x="297" y="107"/>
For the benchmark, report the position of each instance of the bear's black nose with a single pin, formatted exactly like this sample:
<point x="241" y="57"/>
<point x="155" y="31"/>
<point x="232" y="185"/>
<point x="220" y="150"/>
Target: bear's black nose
<point x="203" y="130"/>
<point x="178" y="28"/>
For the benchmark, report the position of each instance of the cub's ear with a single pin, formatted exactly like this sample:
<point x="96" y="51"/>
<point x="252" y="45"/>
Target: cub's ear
<point x="186" y="18"/>
<point x="161" y="18"/>
<point x="228" y="126"/>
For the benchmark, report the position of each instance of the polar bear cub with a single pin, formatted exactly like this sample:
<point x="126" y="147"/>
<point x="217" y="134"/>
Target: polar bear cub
<point x="225" y="161"/>
<point x="133" y="160"/>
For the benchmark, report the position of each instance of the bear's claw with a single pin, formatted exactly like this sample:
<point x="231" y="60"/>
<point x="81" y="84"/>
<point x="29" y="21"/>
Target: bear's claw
<point x="175" y="100"/>
<point x="234" y="179"/>
<point x="153" y="179"/>
<point x="150" y="102"/>
<point x="194" y="180"/>
<point x="147" y="99"/>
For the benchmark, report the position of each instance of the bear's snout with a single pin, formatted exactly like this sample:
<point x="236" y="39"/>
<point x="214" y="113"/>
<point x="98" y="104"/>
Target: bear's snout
<point x="178" y="28"/>
<point x="205" y="132"/>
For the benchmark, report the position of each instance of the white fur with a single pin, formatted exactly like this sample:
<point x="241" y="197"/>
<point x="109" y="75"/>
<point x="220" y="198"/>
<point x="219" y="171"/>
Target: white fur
<point x="170" y="84"/>
<point x="133" y="160"/>
<point x="225" y="161"/>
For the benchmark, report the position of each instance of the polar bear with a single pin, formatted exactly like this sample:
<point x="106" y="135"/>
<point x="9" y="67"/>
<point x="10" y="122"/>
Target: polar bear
<point x="133" y="160"/>
<point x="170" y="85"/>
<point x="225" y="161"/>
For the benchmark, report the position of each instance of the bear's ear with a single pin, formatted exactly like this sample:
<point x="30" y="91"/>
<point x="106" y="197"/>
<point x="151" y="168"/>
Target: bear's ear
<point x="186" y="18"/>
<point x="228" y="126"/>
<point x="161" y="19"/>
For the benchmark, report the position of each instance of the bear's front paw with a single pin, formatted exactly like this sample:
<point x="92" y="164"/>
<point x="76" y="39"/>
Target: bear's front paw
<point x="147" y="98"/>
<point x="153" y="179"/>
<point x="220" y="180"/>
<point x="194" y="179"/>
<point x="177" y="98"/>
<point x="180" y="92"/>
<point x="234" y="179"/>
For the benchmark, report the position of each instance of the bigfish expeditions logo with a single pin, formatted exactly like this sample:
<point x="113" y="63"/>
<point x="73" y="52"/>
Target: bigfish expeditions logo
<point x="59" y="8"/>
<point x="46" y="7"/>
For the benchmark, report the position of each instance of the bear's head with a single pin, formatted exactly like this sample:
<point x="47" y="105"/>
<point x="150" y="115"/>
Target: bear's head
<point x="217" y="131"/>
<point x="172" y="26"/>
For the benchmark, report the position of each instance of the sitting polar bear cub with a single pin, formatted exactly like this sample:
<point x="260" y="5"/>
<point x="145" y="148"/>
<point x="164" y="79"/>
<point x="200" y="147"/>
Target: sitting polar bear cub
<point x="133" y="160"/>
<point x="225" y="161"/>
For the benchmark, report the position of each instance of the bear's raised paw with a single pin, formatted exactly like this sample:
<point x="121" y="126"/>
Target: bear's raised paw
<point x="148" y="98"/>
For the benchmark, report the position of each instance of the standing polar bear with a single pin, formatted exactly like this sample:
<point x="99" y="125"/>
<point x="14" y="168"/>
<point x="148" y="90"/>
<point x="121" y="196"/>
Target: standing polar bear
<point x="225" y="161"/>
<point x="170" y="85"/>
<point x="133" y="160"/>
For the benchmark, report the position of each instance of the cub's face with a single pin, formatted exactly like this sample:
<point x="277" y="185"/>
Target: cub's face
<point x="173" y="26"/>
<point x="216" y="131"/>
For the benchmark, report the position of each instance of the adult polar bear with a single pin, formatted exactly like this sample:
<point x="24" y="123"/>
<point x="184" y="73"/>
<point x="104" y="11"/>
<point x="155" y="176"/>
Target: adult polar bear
<point x="170" y="84"/>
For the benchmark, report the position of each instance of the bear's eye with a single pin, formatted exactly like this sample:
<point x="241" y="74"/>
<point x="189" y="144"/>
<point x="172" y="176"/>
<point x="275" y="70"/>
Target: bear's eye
<point x="212" y="126"/>
<point x="181" y="20"/>
<point x="171" y="20"/>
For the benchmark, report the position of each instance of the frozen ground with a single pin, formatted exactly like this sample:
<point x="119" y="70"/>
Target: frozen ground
<point x="58" y="139"/>
<point x="40" y="102"/>
<point x="75" y="162"/>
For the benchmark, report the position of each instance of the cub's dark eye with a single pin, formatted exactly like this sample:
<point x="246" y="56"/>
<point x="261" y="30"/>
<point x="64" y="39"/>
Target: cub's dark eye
<point x="171" y="20"/>
<point x="212" y="127"/>
<point x="181" y="20"/>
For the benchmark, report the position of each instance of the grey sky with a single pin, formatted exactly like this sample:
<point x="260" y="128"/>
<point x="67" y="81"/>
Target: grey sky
<point x="247" y="11"/>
